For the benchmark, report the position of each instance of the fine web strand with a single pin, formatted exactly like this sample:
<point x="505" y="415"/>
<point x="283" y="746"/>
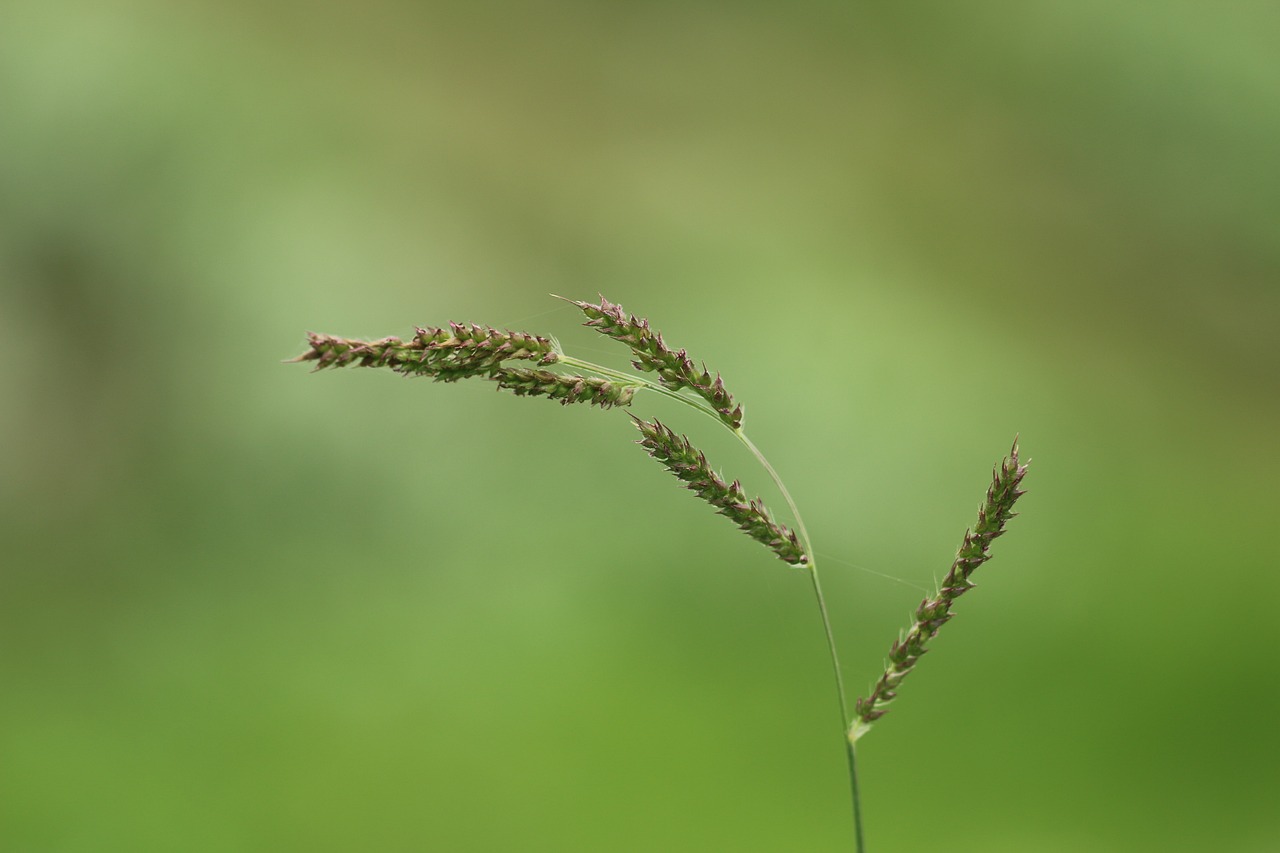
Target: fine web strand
<point x="826" y="557"/>
<point x="522" y="320"/>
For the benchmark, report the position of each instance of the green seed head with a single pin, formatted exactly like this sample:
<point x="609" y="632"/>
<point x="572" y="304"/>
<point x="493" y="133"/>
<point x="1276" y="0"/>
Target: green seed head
<point x="674" y="368"/>
<point x="935" y="612"/>
<point x="690" y="466"/>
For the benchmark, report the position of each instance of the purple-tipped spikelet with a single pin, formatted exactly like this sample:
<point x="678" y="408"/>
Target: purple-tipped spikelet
<point x="331" y="351"/>
<point x="674" y="368"/>
<point x="934" y="612"/>
<point x="690" y="466"/>
<point x="445" y="355"/>
<point x="565" y="388"/>
<point x="482" y="345"/>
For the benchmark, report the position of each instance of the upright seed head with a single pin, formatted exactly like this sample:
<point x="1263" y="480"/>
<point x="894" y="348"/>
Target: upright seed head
<point x="934" y="612"/>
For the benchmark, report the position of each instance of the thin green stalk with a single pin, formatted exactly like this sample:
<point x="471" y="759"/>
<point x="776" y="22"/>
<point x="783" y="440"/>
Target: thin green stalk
<point x="786" y="495"/>
<point x="841" y="695"/>
<point x="859" y="845"/>
<point x="632" y="379"/>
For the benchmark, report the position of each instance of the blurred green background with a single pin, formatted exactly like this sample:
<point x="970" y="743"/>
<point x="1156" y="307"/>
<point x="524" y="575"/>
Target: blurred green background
<point x="247" y="608"/>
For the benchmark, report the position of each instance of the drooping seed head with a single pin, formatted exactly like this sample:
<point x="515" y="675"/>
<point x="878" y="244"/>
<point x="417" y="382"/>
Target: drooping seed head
<point x="690" y="466"/>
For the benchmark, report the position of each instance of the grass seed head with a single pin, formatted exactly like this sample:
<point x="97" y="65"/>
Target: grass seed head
<point x="935" y="612"/>
<point x="565" y="388"/>
<point x="690" y="466"/>
<point x="446" y="355"/>
<point x="674" y="367"/>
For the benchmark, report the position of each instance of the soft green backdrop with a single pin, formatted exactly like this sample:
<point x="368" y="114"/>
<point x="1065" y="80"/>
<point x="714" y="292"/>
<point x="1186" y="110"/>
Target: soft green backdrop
<point x="247" y="608"/>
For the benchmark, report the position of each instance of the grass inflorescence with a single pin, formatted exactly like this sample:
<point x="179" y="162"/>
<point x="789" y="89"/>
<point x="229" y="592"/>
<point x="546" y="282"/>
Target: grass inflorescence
<point x="567" y="388"/>
<point x="674" y="367"/>
<point x="689" y="464"/>
<point x="465" y="351"/>
<point x="935" y="611"/>
<point x="447" y="355"/>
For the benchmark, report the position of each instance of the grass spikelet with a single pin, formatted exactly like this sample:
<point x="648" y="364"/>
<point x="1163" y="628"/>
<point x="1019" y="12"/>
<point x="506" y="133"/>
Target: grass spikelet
<point x="474" y="344"/>
<point x="690" y="466"/>
<point x="446" y="355"/>
<point x="674" y="368"/>
<point x="934" y="612"/>
<point x="566" y="388"/>
<point x="332" y="351"/>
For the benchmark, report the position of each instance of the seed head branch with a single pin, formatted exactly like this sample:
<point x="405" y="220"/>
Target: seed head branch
<point x="934" y="612"/>
<point x="566" y="388"/>
<point x="445" y="355"/>
<point x="674" y="368"/>
<point x="690" y="466"/>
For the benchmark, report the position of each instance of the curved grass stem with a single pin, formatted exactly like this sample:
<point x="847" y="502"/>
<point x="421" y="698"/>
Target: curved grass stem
<point x="639" y="382"/>
<point x="841" y="696"/>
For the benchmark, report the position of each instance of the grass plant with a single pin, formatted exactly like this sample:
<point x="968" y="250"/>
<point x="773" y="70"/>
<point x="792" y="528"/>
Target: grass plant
<point x="466" y="351"/>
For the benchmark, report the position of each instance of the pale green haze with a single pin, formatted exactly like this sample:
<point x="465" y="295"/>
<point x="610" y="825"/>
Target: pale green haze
<point x="245" y="607"/>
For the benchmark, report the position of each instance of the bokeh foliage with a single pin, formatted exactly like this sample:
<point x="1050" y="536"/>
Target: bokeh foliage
<point x="243" y="607"/>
